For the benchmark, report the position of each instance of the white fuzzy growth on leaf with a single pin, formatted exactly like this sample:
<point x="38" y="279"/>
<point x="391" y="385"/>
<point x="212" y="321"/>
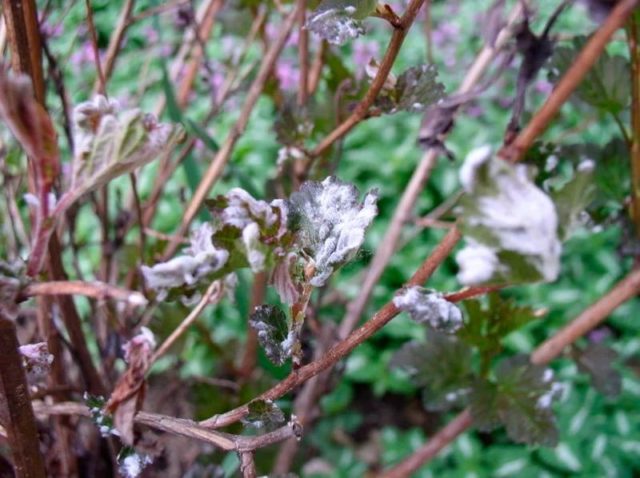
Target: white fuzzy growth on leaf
<point x="201" y="259"/>
<point x="133" y="465"/>
<point x="36" y="360"/>
<point x="332" y="223"/>
<point x="336" y="25"/>
<point x="427" y="306"/>
<point x="510" y="225"/>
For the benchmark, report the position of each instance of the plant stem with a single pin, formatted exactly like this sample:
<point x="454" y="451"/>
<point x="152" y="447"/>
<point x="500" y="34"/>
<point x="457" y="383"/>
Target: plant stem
<point x="633" y="31"/>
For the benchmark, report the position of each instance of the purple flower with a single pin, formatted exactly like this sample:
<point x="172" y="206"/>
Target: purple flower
<point x="288" y="75"/>
<point x="363" y="52"/>
<point x="83" y="57"/>
<point x="272" y="31"/>
<point x="543" y="86"/>
<point x="444" y="33"/>
<point x="599" y="335"/>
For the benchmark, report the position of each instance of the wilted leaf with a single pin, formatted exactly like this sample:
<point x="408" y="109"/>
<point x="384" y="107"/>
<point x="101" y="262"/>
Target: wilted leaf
<point x="339" y="20"/>
<point x="573" y="198"/>
<point x="331" y="223"/>
<point x="520" y="399"/>
<point x="428" y="306"/>
<point x="442" y="365"/>
<point x="128" y="394"/>
<point x="110" y="143"/>
<point x="274" y="332"/>
<point x="597" y="361"/>
<point x="36" y="360"/>
<point x="606" y="85"/>
<point x="263" y="414"/>
<point x="202" y="260"/>
<point x="509" y="224"/>
<point x="485" y="327"/>
<point x="287" y="287"/>
<point x="30" y="124"/>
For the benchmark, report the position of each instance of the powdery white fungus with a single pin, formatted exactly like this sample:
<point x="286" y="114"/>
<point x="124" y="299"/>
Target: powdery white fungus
<point x="201" y="259"/>
<point x="587" y="165"/>
<point x="336" y="25"/>
<point x="426" y="306"/>
<point x="505" y="214"/>
<point x="144" y="342"/>
<point x="332" y="223"/>
<point x="555" y="391"/>
<point x="132" y="465"/>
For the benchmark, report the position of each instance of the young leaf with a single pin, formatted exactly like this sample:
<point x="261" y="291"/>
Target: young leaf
<point x="597" y="361"/>
<point x="573" y="198"/>
<point x="606" y="86"/>
<point x="442" y="365"/>
<point x="339" y="20"/>
<point x="331" y="223"/>
<point x="520" y="398"/>
<point x="274" y="332"/>
<point x="110" y="143"/>
<point x="485" y="327"/>
<point x="510" y="225"/>
<point x="263" y="414"/>
<point x="415" y="90"/>
<point x="202" y="260"/>
<point x="428" y="306"/>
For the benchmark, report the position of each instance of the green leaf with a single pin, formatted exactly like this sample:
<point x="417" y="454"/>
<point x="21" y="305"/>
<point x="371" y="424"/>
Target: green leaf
<point x="430" y="307"/>
<point x="330" y="222"/>
<point x="263" y="414"/>
<point x="414" y="90"/>
<point x="597" y="361"/>
<point x="509" y="224"/>
<point x="485" y="327"/>
<point x="520" y="399"/>
<point x="573" y="198"/>
<point x="339" y="20"/>
<point x="292" y="125"/>
<point x="274" y="332"/>
<point x="441" y="365"/>
<point x="606" y="86"/>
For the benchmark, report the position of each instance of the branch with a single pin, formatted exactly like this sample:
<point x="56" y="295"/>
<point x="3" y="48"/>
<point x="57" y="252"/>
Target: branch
<point x="569" y="81"/>
<point x="623" y="291"/>
<point x="16" y="413"/>
<point x="399" y="33"/>
<point x="340" y="350"/>
<point x="95" y="290"/>
<point x="633" y="34"/>
<point x="389" y="243"/>
<point x="224" y="154"/>
<point x="184" y="427"/>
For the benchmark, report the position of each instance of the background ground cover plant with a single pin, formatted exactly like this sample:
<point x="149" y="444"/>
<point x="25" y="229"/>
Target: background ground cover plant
<point x="234" y="116"/>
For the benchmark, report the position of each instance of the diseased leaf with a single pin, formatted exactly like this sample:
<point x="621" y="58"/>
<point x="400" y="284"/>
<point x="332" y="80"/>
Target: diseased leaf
<point x="292" y="125"/>
<point x="442" y="365"/>
<point x="573" y="198"/>
<point x="597" y="361"/>
<point x="485" y="327"/>
<point x="606" y="85"/>
<point x="520" y="398"/>
<point x="330" y="223"/>
<point x="247" y="227"/>
<point x="110" y="143"/>
<point x="103" y="421"/>
<point x="430" y="307"/>
<point x="510" y="225"/>
<point x="287" y="277"/>
<point x="274" y="332"/>
<point x="128" y="394"/>
<point x="36" y="360"/>
<point x="263" y="414"/>
<point x="414" y="90"/>
<point x="202" y="260"/>
<point x="130" y="463"/>
<point x="337" y="21"/>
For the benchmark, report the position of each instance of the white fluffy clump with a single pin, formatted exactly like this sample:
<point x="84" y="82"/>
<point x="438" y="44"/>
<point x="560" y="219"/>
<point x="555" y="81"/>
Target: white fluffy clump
<point x="201" y="259"/>
<point x="336" y="25"/>
<point x="132" y="465"/>
<point x="426" y="306"/>
<point x="512" y="216"/>
<point x="333" y="223"/>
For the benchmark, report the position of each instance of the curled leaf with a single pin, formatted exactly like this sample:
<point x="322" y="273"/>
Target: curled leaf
<point x="509" y="224"/>
<point x="201" y="260"/>
<point x="337" y="21"/>
<point x="428" y="306"/>
<point x="331" y="223"/>
<point x="263" y="414"/>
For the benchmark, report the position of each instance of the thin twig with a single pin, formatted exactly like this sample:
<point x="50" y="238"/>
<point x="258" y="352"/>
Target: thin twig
<point x="224" y="154"/>
<point x="95" y="290"/>
<point x="101" y="81"/>
<point x="633" y="33"/>
<point x="623" y="291"/>
<point x="303" y="54"/>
